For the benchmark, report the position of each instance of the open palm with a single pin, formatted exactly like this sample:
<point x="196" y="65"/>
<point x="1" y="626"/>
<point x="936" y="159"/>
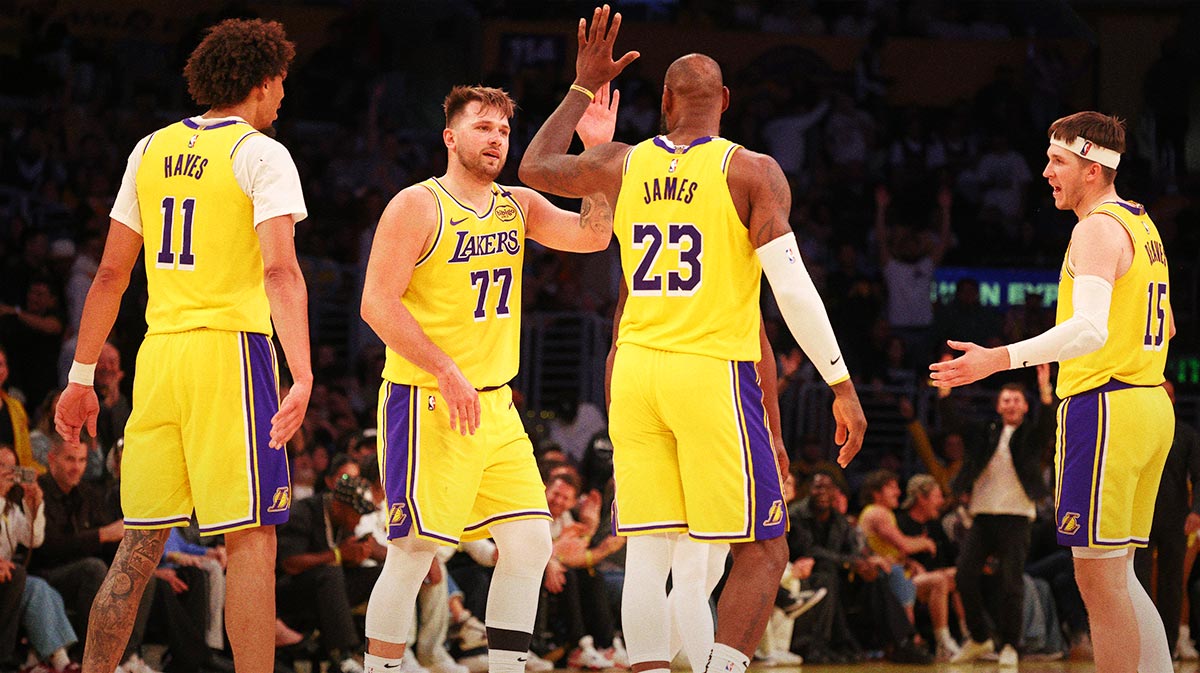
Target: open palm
<point x="599" y="121"/>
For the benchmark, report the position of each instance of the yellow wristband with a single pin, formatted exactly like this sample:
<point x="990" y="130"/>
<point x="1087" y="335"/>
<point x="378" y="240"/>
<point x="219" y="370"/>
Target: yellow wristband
<point x="589" y="94"/>
<point x="337" y="556"/>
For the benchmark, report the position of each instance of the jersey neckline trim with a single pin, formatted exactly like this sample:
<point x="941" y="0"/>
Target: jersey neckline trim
<point x="208" y="127"/>
<point x="465" y="206"/>
<point x="671" y="147"/>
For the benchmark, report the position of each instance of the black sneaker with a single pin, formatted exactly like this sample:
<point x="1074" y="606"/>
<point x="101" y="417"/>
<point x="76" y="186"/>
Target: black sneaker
<point x="908" y="652"/>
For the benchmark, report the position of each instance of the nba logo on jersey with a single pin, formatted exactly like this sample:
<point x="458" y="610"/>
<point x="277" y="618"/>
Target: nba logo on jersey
<point x="1069" y="524"/>
<point x="775" y="516"/>
<point x="673" y="166"/>
<point x="281" y="500"/>
<point x="396" y="515"/>
<point x="192" y="142"/>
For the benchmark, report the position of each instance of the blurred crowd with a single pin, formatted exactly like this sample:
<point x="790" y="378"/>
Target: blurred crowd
<point x="884" y="196"/>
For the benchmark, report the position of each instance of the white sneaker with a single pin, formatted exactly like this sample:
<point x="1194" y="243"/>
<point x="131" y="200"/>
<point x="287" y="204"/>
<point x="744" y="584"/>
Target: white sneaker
<point x="786" y="658"/>
<point x="471" y="634"/>
<point x="536" y="664"/>
<point x="947" y="650"/>
<point x="620" y="657"/>
<point x="972" y="651"/>
<point x="1184" y="649"/>
<point x="135" y="664"/>
<point x="352" y="665"/>
<point x="446" y="664"/>
<point x="1008" y="657"/>
<point x="409" y="663"/>
<point x="587" y="656"/>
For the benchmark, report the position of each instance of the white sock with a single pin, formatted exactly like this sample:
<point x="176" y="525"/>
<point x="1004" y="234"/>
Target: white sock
<point x="59" y="659"/>
<point x="944" y="638"/>
<point x="1155" y="652"/>
<point x="390" y="611"/>
<point x="506" y="661"/>
<point x="375" y="664"/>
<point x="725" y="659"/>
<point x="644" y="617"/>
<point x="696" y="568"/>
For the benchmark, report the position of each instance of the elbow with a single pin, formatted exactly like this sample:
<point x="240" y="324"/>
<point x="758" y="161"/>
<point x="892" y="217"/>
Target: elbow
<point x="282" y="275"/>
<point x="111" y="279"/>
<point x="530" y="173"/>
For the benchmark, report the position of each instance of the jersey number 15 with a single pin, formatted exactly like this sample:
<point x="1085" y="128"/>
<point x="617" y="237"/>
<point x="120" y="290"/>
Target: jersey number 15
<point x="1156" y="316"/>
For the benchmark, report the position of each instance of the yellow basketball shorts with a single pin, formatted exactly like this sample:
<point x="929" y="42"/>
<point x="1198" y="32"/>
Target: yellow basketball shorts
<point x="691" y="448"/>
<point x="1109" y="455"/>
<point x="446" y="486"/>
<point x="198" y="435"/>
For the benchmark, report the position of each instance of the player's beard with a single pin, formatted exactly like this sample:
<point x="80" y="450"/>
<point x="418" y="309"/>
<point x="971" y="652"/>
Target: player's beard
<point x="476" y="167"/>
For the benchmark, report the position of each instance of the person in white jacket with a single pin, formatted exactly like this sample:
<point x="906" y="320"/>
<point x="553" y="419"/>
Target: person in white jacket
<point x="23" y="523"/>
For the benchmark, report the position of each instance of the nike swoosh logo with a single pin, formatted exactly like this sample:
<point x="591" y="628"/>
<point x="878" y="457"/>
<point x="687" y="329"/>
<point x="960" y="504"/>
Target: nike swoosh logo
<point x="1025" y="363"/>
<point x="391" y="665"/>
<point x="455" y="223"/>
<point x="835" y="360"/>
<point x="522" y="658"/>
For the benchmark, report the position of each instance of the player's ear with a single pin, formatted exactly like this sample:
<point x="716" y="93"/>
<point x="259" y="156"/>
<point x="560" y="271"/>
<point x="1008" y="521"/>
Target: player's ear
<point x="724" y="98"/>
<point x="448" y="137"/>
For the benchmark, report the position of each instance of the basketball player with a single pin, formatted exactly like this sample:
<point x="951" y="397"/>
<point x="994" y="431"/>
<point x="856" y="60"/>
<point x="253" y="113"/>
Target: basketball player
<point x="1115" y="422"/>
<point x="443" y="291"/>
<point x="214" y="203"/>
<point x="699" y="219"/>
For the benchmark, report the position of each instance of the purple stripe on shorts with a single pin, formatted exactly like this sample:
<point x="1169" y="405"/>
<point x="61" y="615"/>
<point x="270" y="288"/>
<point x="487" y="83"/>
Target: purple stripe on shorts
<point x="770" y="512"/>
<point x="1079" y="443"/>
<point x="397" y="452"/>
<point x="273" y="497"/>
<point x="507" y="515"/>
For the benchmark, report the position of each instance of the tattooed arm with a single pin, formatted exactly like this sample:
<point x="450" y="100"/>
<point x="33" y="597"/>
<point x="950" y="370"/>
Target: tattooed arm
<point x="589" y="230"/>
<point x="116" y="604"/>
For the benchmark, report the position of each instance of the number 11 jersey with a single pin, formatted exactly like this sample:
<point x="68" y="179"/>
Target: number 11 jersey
<point x="465" y="291"/>
<point x="691" y="270"/>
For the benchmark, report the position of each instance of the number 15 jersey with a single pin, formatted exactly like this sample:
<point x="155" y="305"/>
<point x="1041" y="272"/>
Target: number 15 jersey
<point x="1139" y="316"/>
<point x="692" y="273"/>
<point x="465" y="291"/>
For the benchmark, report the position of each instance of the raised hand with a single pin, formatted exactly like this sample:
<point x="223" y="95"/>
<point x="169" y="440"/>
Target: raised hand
<point x="594" y="65"/>
<point x="599" y="121"/>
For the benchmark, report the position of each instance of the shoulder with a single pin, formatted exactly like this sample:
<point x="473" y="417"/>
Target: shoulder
<point x="253" y="145"/>
<point x="412" y="201"/>
<point x="751" y="164"/>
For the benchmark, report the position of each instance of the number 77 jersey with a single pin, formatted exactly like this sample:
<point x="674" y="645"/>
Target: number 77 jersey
<point x="465" y="291"/>
<point x="692" y="273"/>
<point x="1139" y="316"/>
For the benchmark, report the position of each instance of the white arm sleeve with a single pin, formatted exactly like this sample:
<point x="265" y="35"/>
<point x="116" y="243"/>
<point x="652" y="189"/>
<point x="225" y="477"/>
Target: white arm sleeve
<point x="802" y="307"/>
<point x="1084" y="332"/>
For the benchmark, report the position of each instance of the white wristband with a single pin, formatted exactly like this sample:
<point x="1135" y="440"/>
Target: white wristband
<point x="82" y="374"/>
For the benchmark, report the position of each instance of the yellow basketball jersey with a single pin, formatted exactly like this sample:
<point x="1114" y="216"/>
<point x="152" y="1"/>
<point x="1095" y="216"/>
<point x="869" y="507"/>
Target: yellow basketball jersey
<point x="204" y="266"/>
<point x="1136" y="349"/>
<point x="692" y="273"/>
<point x="466" y="291"/>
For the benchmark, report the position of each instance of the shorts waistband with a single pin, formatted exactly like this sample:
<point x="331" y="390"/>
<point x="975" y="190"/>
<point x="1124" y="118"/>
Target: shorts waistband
<point x="1111" y="386"/>
<point x="488" y="389"/>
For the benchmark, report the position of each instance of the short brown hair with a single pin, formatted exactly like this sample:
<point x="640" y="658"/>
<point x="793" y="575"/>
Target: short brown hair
<point x="235" y="56"/>
<point x="1104" y="130"/>
<point x="875" y="482"/>
<point x="1015" y="387"/>
<point x="487" y="96"/>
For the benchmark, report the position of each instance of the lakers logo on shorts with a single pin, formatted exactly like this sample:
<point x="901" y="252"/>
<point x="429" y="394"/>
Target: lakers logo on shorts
<point x="1069" y="524"/>
<point x="396" y="514"/>
<point x="775" y="516"/>
<point x="281" y="500"/>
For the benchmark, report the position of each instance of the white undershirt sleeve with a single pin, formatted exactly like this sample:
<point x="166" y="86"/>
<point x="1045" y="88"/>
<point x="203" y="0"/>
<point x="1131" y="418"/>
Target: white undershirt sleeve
<point x="125" y="208"/>
<point x="802" y="307"/>
<point x="1084" y="332"/>
<point x="266" y="173"/>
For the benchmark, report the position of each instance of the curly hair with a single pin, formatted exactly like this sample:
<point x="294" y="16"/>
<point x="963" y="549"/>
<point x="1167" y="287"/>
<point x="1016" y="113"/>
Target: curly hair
<point x="235" y="56"/>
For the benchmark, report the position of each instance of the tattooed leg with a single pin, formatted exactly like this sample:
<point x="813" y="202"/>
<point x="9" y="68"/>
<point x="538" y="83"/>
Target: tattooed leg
<point x="115" y="607"/>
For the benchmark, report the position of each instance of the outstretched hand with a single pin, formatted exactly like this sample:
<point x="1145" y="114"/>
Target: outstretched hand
<point x="594" y="65"/>
<point x="974" y="364"/>
<point x="599" y="121"/>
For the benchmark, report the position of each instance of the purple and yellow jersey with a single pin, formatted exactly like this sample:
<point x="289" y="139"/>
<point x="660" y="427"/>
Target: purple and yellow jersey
<point x="692" y="273"/>
<point x="1138" y="320"/>
<point x="204" y="267"/>
<point x="465" y="291"/>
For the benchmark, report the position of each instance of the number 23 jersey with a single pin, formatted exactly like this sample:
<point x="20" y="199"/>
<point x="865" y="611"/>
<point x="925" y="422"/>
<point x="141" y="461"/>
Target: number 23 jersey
<point x="195" y="191"/>
<point x="465" y="291"/>
<point x="691" y="270"/>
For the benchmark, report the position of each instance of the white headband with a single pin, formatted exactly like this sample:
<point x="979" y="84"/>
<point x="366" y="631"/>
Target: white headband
<point x="1090" y="151"/>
